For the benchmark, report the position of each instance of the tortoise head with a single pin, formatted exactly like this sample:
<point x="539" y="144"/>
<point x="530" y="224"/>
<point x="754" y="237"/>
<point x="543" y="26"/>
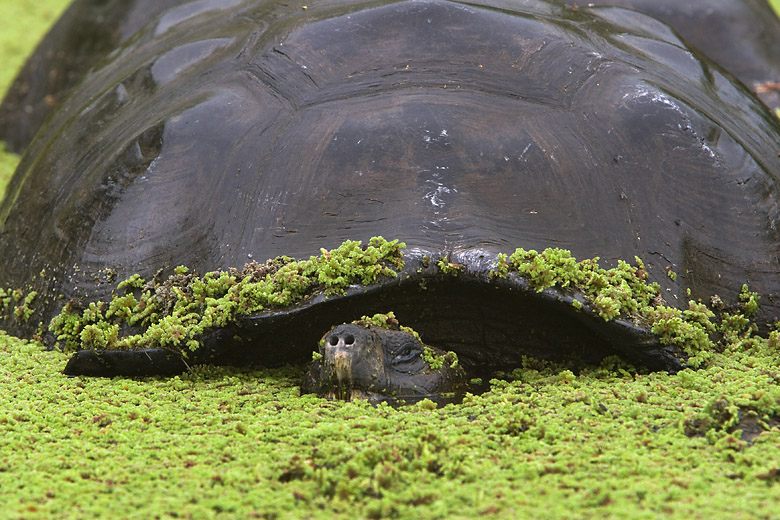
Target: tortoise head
<point x="361" y="361"/>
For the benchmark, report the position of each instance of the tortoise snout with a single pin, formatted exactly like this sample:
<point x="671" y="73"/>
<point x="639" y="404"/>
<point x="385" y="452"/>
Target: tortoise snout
<point x="341" y="350"/>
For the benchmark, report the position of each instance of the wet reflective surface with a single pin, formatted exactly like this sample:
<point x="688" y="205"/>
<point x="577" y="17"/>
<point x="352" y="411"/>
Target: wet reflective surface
<point x="225" y="131"/>
<point x="743" y="36"/>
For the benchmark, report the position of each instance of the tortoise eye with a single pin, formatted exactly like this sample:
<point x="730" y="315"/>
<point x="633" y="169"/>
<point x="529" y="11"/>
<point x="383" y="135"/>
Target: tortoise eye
<point x="406" y="354"/>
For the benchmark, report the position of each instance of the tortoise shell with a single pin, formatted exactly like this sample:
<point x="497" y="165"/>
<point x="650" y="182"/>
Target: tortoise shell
<point x="223" y="131"/>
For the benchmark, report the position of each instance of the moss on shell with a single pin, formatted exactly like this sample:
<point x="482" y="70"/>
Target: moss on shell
<point x="24" y="311"/>
<point x="624" y="291"/>
<point x="386" y="321"/>
<point x="448" y="267"/>
<point x="437" y="361"/>
<point x="175" y="312"/>
<point x="16" y="304"/>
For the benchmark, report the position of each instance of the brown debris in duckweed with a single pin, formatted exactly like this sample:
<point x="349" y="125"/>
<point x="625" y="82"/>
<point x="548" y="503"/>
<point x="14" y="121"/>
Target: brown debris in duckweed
<point x="723" y="414"/>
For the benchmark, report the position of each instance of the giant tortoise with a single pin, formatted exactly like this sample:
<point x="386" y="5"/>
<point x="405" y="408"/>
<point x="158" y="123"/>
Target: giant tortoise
<point x="219" y="132"/>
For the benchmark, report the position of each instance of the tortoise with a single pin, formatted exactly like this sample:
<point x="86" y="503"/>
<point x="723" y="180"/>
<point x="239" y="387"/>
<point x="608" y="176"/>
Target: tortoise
<point x="223" y="131"/>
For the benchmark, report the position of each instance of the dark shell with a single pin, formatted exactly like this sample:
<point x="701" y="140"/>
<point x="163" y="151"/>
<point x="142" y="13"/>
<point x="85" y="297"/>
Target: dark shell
<point x="253" y="129"/>
<point x="743" y="36"/>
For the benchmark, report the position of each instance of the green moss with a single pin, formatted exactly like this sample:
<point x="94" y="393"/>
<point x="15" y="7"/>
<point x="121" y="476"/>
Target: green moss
<point x="99" y="336"/>
<point x="749" y="301"/>
<point x="690" y="336"/>
<point x="435" y="360"/>
<point x="23" y="312"/>
<point x="447" y="267"/>
<point x="9" y="298"/>
<point x="6" y="298"/>
<point x="387" y="321"/>
<point x="502" y="267"/>
<point x="134" y="282"/>
<point x="621" y="291"/>
<point x="175" y="312"/>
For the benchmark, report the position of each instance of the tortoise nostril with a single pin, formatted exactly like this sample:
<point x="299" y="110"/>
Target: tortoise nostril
<point x="349" y="339"/>
<point x="333" y="340"/>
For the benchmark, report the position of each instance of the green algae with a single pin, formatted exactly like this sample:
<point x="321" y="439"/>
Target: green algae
<point x="624" y="291"/>
<point x="621" y="291"/>
<point x="16" y="304"/>
<point x="437" y="361"/>
<point x="611" y="292"/>
<point x="24" y="311"/>
<point x="749" y="301"/>
<point x="450" y="268"/>
<point x="386" y="320"/>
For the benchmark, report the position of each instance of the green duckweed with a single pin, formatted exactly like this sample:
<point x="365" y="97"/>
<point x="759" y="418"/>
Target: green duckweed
<point x="175" y="312"/>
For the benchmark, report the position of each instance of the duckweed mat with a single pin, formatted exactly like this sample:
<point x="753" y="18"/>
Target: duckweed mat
<point x="542" y="443"/>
